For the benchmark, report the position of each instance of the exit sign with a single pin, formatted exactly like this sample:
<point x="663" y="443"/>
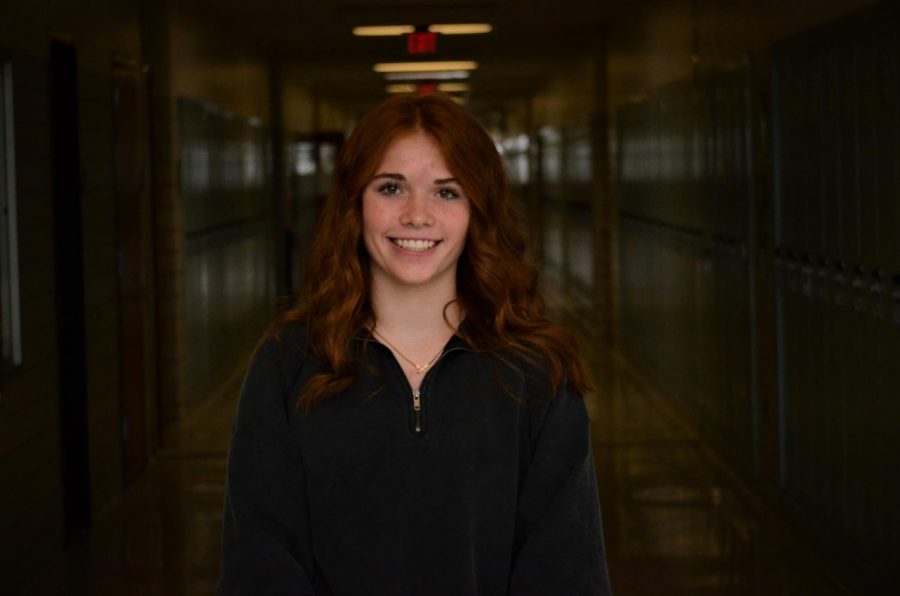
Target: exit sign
<point x="421" y="42"/>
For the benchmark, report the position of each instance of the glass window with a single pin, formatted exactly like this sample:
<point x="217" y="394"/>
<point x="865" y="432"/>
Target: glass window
<point x="9" y="260"/>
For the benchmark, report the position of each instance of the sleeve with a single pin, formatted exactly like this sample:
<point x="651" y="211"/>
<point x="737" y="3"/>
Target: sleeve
<point x="559" y="545"/>
<point x="265" y="538"/>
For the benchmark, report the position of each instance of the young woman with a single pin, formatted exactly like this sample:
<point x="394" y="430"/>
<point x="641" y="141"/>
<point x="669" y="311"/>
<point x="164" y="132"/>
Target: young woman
<point x="414" y="426"/>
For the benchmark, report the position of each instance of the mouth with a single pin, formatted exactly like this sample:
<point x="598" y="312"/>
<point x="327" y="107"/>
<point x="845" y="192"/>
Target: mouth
<point x="414" y="244"/>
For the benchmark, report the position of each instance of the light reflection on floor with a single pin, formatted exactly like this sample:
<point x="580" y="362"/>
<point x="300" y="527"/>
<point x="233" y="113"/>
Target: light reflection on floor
<point x="674" y="524"/>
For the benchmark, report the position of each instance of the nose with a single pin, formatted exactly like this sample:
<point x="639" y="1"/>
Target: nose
<point x="416" y="212"/>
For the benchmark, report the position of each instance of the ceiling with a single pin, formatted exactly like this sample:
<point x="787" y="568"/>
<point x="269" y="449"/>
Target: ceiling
<point x="531" y="38"/>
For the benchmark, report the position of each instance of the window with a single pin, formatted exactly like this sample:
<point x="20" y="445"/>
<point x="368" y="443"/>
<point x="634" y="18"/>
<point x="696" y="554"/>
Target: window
<point x="9" y="259"/>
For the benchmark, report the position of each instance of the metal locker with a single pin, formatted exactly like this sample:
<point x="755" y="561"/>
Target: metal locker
<point x="858" y="416"/>
<point x="881" y="428"/>
<point x="889" y="149"/>
<point x="846" y="83"/>
<point x="830" y="380"/>
<point x="815" y="408"/>
<point x="831" y="190"/>
<point x="892" y="413"/>
<point x="868" y="58"/>
<point x="795" y="427"/>
<point x="843" y="390"/>
<point x="796" y="166"/>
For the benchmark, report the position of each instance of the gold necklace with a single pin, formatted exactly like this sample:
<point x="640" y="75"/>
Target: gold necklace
<point x="420" y="368"/>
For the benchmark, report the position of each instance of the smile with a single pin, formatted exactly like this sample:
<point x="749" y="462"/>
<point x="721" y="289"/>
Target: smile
<point x="414" y="245"/>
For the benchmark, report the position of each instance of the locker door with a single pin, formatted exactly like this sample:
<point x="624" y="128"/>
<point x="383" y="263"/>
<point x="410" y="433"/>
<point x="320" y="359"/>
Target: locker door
<point x="848" y="161"/>
<point x="869" y="147"/>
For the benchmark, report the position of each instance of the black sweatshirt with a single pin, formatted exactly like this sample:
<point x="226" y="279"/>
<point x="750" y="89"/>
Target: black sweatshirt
<point x="474" y="493"/>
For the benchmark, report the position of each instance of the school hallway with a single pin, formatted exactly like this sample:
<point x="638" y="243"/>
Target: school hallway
<point x="710" y="190"/>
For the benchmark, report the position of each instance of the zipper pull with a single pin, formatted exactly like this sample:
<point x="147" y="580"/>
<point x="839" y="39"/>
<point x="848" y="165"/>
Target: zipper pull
<point x="417" y="408"/>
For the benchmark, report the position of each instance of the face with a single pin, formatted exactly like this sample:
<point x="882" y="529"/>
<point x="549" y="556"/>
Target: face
<point x="415" y="216"/>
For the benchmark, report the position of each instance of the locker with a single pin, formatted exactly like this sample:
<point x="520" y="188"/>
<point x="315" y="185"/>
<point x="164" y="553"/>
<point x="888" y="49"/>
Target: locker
<point x="867" y="66"/>
<point x="858" y="353"/>
<point x="794" y="125"/>
<point x="888" y="138"/>
<point x="796" y="426"/>
<point x="815" y="408"/>
<point x="831" y="194"/>
<point x="846" y="87"/>
<point x="882" y="428"/>
<point x="843" y="390"/>
<point x="830" y="382"/>
<point x="892" y="414"/>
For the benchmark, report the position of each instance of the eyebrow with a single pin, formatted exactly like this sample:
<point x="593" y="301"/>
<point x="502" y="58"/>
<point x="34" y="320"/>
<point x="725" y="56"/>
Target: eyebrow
<point x="401" y="177"/>
<point x="389" y="175"/>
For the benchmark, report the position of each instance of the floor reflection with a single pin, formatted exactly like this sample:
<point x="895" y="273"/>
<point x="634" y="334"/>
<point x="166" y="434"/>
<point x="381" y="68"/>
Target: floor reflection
<point x="675" y="524"/>
<point x="162" y="537"/>
<point x="676" y="521"/>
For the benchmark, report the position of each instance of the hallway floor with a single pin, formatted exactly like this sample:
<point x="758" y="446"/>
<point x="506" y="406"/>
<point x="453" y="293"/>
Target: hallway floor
<point x="675" y="523"/>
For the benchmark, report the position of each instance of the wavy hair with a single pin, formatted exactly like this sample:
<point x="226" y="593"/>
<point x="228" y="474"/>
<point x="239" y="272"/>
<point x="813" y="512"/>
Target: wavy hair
<point x="497" y="286"/>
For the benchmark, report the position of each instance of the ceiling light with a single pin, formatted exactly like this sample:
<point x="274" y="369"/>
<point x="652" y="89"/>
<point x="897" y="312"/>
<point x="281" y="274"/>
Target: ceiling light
<point x="444" y="75"/>
<point x="425" y="66"/>
<point x="453" y="87"/>
<point x="381" y="30"/>
<point x="444" y="29"/>
<point x="401" y="88"/>
<point x="461" y="28"/>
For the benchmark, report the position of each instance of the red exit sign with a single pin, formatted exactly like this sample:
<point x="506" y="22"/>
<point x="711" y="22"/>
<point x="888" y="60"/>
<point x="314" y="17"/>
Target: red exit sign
<point x="421" y="42"/>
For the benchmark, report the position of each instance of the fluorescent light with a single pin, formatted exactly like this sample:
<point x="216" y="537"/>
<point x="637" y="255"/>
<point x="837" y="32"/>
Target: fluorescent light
<point x="425" y="66"/>
<point x="444" y="75"/>
<point x="444" y="29"/>
<point x="461" y="28"/>
<point x="381" y="30"/>
<point x="401" y="88"/>
<point x="453" y="87"/>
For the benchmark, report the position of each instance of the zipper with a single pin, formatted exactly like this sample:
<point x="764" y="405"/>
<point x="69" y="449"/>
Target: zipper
<point x="417" y="408"/>
<point x="418" y="426"/>
<point x="417" y="393"/>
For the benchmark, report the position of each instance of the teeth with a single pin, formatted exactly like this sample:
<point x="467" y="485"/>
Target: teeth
<point x="416" y="245"/>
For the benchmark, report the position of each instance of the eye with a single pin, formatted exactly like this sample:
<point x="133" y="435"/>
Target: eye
<point x="447" y="193"/>
<point x="389" y="188"/>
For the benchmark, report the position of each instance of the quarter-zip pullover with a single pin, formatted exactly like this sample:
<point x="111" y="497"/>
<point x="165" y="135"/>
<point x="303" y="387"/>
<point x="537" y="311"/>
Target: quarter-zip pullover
<point x="481" y="482"/>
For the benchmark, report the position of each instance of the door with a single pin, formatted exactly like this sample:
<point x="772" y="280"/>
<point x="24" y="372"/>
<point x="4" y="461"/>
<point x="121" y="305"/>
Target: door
<point x="134" y="263"/>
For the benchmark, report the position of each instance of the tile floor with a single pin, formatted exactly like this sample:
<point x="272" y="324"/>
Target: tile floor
<point x="674" y="523"/>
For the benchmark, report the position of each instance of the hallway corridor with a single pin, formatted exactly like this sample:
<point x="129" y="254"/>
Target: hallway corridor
<point x="676" y="523"/>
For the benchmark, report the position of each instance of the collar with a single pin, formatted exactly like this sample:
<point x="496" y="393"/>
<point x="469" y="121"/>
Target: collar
<point x="455" y="342"/>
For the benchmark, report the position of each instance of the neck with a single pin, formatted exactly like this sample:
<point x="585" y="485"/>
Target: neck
<point x="415" y="314"/>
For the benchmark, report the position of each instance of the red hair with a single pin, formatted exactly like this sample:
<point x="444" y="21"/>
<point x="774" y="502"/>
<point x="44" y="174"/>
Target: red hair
<point x="497" y="287"/>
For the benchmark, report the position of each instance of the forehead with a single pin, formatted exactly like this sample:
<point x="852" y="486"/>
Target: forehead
<point x="413" y="149"/>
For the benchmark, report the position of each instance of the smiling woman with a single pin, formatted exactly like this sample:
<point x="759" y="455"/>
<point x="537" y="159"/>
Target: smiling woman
<point x="415" y="425"/>
<point x="415" y="218"/>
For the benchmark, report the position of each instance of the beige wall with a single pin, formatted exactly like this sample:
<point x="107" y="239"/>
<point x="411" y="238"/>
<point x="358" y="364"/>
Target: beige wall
<point x="659" y="41"/>
<point x="211" y="65"/>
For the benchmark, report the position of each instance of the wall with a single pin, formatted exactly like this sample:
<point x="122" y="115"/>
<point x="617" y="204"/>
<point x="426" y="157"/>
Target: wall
<point x="31" y="518"/>
<point x="566" y="199"/>
<point x="193" y="60"/>
<point x="662" y="41"/>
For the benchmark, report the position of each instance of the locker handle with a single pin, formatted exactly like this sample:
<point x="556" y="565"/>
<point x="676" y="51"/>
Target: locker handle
<point x="823" y="285"/>
<point x="859" y="295"/>
<point x="895" y="296"/>
<point x="876" y="292"/>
